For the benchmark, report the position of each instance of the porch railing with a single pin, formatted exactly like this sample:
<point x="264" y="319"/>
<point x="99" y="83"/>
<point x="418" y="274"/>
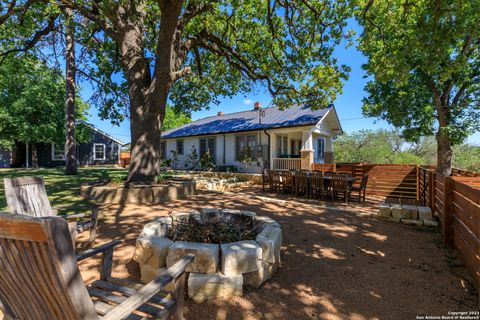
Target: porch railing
<point x="287" y="163"/>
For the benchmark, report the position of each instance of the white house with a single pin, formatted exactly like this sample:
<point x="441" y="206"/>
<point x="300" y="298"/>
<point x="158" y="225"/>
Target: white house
<point x="292" y="138"/>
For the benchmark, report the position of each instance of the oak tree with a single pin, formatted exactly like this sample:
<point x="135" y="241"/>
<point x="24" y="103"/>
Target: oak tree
<point x="144" y="53"/>
<point x="423" y="68"/>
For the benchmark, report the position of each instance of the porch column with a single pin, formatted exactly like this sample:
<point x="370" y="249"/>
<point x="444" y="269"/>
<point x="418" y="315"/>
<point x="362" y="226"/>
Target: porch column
<point x="307" y="150"/>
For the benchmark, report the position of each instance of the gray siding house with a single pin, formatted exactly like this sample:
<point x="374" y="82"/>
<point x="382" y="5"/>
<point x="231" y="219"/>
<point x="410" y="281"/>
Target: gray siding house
<point x="101" y="149"/>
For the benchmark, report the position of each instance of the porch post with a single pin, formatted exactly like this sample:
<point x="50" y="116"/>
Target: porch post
<point x="307" y="150"/>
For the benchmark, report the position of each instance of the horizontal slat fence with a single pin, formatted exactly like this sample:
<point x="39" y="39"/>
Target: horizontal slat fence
<point x="391" y="180"/>
<point x="456" y="202"/>
<point x="464" y="216"/>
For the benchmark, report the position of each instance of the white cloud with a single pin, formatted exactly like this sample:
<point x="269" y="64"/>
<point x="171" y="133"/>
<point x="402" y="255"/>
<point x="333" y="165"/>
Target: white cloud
<point x="247" y="101"/>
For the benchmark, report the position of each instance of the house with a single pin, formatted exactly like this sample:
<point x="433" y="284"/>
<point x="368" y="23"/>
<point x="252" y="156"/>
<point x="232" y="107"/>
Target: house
<point x="247" y="141"/>
<point x="100" y="149"/>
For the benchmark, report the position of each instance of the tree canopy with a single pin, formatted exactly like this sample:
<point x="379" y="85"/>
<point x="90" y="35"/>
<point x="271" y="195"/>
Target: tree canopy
<point x="141" y="54"/>
<point x="32" y="102"/>
<point x="423" y="68"/>
<point x="175" y="118"/>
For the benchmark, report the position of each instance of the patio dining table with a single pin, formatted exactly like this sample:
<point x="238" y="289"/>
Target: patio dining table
<point x="350" y="179"/>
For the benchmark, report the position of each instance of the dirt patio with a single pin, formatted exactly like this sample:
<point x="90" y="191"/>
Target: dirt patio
<point x="337" y="263"/>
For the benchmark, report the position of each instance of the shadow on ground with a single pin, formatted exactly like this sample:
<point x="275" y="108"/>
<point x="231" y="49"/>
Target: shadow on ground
<point x="335" y="264"/>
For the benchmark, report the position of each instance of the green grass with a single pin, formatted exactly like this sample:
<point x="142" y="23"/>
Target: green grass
<point x="62" y="190"/>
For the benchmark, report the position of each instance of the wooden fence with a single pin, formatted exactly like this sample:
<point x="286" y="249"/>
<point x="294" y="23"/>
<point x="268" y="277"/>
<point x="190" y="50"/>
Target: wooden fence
<point x="389" y="180"/>
<point x="456" y="201"/>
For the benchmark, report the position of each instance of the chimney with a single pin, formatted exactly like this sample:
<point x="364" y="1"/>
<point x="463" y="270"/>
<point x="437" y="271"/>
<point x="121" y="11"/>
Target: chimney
<point x="220" y="113"/>
<point x="257" y="106"/>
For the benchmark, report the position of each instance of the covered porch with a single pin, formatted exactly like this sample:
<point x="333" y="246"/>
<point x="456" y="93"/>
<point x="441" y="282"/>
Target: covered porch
<point x="300" y="148"/>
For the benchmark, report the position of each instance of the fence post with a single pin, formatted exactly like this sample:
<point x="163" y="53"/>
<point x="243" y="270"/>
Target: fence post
<point x="448" y="212"/>
<point x="418" y="183"/>
<point x="431" y="189"/>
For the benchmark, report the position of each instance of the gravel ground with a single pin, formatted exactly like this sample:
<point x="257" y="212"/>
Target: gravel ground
<point x="337" y="263"/>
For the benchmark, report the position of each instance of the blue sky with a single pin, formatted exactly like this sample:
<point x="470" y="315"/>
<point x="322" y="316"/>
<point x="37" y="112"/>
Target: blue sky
<point x="348" y="104"/>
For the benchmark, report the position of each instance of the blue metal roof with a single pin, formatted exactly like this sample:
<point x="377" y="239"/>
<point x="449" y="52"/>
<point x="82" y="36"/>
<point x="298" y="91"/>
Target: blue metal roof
<point x="249" y="120"/>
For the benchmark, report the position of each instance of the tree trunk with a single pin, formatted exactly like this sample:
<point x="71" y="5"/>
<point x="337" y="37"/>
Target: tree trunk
<point x="34" y="156"/>
<point x="70" y="143"/>
<point x="444" y="145"/>
<point x="444" y="154"/>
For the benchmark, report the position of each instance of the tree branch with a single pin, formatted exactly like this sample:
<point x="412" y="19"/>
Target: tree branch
<point x="32" y="42"/>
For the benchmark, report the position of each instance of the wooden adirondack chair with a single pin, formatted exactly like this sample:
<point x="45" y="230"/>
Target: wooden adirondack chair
<point x="39" y="278"/>
<point x="28" y="196"/>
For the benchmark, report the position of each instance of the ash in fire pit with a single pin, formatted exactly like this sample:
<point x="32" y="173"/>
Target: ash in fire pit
<point x="213" y="227"/>
<point x="232" y="249"/>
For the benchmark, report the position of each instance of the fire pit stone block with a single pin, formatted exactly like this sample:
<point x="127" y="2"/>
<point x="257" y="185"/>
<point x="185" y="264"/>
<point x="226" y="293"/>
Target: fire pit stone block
<point x="270" y="239"/>
<point x="268" y="221"/>
<point x="185" y="215"/>
<point x="257" y="278"/>
<point x="202" y="287"/>
<point x="149" y="273"/>
<point x="158" y="227"/>
<point x="240" y="257"/>
<point x="206" y="256"/>
<point x="152" y="250"/>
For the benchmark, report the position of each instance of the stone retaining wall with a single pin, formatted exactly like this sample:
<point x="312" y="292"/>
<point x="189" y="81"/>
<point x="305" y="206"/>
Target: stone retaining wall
<point x="218" y="270"/>
<point x="413" y="215"/>
<point x="144" y="194"/>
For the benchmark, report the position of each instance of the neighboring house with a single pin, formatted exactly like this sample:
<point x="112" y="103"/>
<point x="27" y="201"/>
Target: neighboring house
<point x="100" y="149"/>
<point x="293" y="138"/>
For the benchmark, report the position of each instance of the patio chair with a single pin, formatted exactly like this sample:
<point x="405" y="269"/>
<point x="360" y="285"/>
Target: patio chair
<point x="317" y="187"/>
<point x="28" y="196"/>
<point x="266" y="179"/>
<point x="339" y="185"/>
<point x="361" y="189"/>
<point x="301" y="183"/>
<point x="286" y="181"/>
<point x="274" y="178"/>
<point x="40" y="279"/>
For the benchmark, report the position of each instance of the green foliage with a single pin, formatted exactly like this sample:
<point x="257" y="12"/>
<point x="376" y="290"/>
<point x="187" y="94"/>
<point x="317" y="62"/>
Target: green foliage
<point x="245" y="155"/>
<point x="423" y="62"/>
<point x="286" y="46"/>
<point x="191" y="159"/>
<point x="206" y="162"/>
<point x="175" y="118"/>
<point x="467" y="156"/>
<point x="32" y="103"/>
<point x="389" y="146"/>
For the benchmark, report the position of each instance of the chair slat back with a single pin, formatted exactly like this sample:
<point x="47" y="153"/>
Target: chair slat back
<point x="363" y="183"/>
<point x="339" y="182"/>
<point x="27" y="195"/>
<point x="316" y="181"/>
<point x="39" y="277"/>
<point x="301" y="178"/>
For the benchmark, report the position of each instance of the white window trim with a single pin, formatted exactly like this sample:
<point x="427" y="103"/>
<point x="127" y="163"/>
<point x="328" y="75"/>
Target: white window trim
<point x="53" y="153"/>
<point x="104" y="151"/>
<point x="183" y="146"/>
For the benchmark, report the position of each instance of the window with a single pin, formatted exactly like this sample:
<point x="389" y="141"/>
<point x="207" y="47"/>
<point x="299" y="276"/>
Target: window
<point x="98" y="151"/>
<point x="295" y="147"/>
<point x="208" y="145"/>
<point x="282" y="146"/>
<point x="58" y="152"/>
<point x="321" y="148"/>
<point x="163" y="150"/>
<point x="246" y="145"/>
<point x="179" y="146"/>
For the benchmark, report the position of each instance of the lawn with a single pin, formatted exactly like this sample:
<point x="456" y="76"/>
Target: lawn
<point x="62" y="190"/>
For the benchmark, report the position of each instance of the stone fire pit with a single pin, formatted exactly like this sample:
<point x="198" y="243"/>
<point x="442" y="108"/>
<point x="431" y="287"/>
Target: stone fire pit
<point x="219" y="269"/>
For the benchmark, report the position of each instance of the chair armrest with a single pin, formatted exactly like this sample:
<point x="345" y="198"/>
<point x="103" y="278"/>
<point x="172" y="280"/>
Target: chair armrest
<point x="75" y="216"/>
<point x="100" y="249"/>
<point x="149" y="290"/>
